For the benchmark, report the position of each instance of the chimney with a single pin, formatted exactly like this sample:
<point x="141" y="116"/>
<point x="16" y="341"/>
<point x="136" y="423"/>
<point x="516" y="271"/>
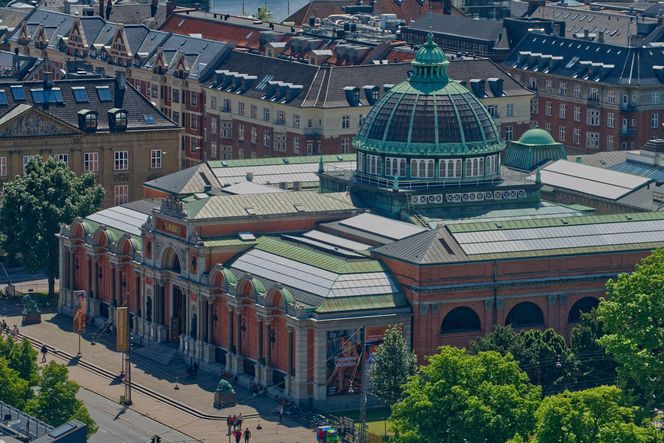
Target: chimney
<point x="109" y="9"/>
<point x="600" y="37"/>
<point x="250" y="176"/>
<point x="101" y="8"/>
<point x="48" y="80"/>
<point x="154" y="5"/>
<point x="119" y="88"/>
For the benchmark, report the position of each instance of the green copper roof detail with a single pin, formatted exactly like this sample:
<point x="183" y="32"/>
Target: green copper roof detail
<point x="536" y="137"/>
<point x="430" y="64"/>
<point x="535" y="148"/>
<point x="429" y="114"/>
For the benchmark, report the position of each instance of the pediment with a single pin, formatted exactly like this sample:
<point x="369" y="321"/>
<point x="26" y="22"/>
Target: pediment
<point x="27" y="121"/>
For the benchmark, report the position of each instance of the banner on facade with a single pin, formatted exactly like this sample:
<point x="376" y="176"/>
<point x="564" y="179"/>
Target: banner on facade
<point x="80" y="313"/>
<point x="122" y="337"/>
<point x="344" y="362"/>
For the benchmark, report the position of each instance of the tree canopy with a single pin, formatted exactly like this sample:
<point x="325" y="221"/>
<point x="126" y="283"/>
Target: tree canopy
<point x="34" y="206"/>
<point x="595" y="366"/>
<point x="592" y="415"/>
<point x="458" y="397"/>
<point x="391" y="365"/>
<point x="544" y="355"/>
<point x="23" y="359"/>
<point x="632" y="317"/>
<point x="13" y="389"/>
<point x="56" y="402"/>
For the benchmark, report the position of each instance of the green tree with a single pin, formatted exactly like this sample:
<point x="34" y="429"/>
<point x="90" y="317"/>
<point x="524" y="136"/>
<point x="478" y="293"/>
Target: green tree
<point x="592" y="415"/>
<point x="392" y="364"/>
<point x="595" y="366"/>
<point x="23" y="359"/>
<point x="13" y="389"/>
<point x="56" y="402"/>
<point x="632" y="316"/>
<point x="6" y="346"/>
<point x="34" y="206"/>
<point x="458" y="397"/>
<point x="544" y="355"/>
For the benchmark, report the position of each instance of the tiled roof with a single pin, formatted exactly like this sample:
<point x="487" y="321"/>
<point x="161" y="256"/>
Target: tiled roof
<point x="407" y="10"/>
<point x="601" y="159"/>
<point x="466" y="27"/>
<point x="187" y="181"/>
<point x="615" y="25"/>
<point x="140" y="111"/>
<point x="266" y="205"/>
<point x="240" y="36"/>
<point x="433" y="246"/>
<point x="327" y="89"/>
<point x="603" y="63"/>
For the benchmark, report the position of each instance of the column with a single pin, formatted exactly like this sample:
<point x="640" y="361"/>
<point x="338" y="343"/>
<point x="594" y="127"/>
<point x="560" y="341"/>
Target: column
<point x="201" y="326"/>
<point x="267" y="378"/>
<point x="229" y="321"/>
<point x="95" y="272"/>
<point x="61" y="271"/>
<point x="72" y="276"/>
<point x="300" y="380"/>
<point x="88" y="274"/>
<point x="210" y="320"/>
<point x="320" y="365"/>
<point x="289" y="365"/>
<point x="260" y="372"/>
<point x="238" y="330"/>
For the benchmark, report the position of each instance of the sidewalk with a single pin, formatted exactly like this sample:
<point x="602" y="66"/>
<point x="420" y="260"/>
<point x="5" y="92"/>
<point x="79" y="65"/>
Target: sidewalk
<point x="55" y="331"/>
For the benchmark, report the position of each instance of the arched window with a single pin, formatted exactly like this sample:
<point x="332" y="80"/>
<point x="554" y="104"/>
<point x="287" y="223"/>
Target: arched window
<point x="525" y="315"/>
<point x="586" y="304"/>
<point x="460" y="319"/>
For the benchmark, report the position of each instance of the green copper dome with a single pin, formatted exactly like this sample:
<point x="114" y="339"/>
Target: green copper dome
<point x="429" y="115"/>
<point x="537" y="137"/>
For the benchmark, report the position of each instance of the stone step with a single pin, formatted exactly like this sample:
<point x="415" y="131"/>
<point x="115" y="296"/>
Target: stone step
<point x="164" y="355"/>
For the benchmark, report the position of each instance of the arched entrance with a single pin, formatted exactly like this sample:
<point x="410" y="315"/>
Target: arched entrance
<point x="461" y="319"/>
<point x="525" y="315"/>
<point x="586" y="304"/>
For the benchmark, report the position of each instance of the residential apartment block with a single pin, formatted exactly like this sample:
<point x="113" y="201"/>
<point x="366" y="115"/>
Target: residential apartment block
<point x="98" y="125"/>
<point x="592" y="96"/>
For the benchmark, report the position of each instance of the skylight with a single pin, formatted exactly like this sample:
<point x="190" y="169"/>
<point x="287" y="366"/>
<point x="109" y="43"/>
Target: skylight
<point x="80" y="94"/>
<point x="18" y="93"/>
<point x="3" y="98"/>
<point x="104" y="93"/>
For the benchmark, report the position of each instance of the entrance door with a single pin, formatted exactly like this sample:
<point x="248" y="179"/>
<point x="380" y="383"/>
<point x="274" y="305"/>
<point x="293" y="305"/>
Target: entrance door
<point x="179" y="314"/>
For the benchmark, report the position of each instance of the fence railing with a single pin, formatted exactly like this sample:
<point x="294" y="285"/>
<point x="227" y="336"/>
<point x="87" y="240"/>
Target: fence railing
<point x="20" y="424"/>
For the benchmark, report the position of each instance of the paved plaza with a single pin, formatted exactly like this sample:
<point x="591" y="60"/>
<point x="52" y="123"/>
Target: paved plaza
<point x="56" y="331"/>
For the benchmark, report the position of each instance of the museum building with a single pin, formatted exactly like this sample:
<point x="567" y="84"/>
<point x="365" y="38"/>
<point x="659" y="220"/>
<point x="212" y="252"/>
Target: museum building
<point x="429" y="232"/>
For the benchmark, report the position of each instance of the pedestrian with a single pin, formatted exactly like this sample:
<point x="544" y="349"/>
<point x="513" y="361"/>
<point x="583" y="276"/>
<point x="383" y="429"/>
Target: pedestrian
<point x="320" y="435"/>
<point x="234" y="421"/>
<point x="247" y="435"/>
<point x="44" y="351"/>
<point x="228" y="422"/>
<point x="239" y="421"/>
<point x="281" y="413"/>
<point x="15" y="332"/>
<point x="4" y="325"/>
<point x="238" y="435"/>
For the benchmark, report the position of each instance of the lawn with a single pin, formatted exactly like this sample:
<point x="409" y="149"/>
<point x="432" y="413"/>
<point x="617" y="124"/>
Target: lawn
<point x="376" y="419"/>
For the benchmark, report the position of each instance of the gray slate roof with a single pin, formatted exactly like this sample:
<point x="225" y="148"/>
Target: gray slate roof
<point x="623" y="66"/>
<point x="433" y="246"/>
<point x="187" y="181"/>
<point x="132" y="101"/>
<point x="465" y="27"/>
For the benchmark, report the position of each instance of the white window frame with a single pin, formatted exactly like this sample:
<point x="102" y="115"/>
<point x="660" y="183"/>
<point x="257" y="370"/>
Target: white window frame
<point x="509" y="132"/>
<point x="3" y="166"/>
<point x="62" y="157"/>
<point x="296" y="145"/>
<point x="345" y="121"/>
<point x="422" y="168"/>
<point x="120" y="194"/>
<point x="654" y="120"/>
<point x="611" y="120"/>
<point x="450" y="168"/>
<point x="562" y="110"/>
<point x="395" y="166"/>
<point x="296" y="120"/>
<point x="155" y="158"/>
<point x="374" y="164"/>
<point x="121" y="160"/>
<point x="90" y="161"/>
<point x="475" y="167"/>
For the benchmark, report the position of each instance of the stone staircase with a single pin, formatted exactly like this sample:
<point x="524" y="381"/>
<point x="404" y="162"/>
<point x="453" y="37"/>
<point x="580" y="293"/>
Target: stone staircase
<point x="163" y="354"/>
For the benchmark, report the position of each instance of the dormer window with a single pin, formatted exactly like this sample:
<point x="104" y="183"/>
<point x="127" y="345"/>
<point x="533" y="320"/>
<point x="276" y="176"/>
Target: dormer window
<point x="90" y="121"/>
<point x="117" y="119"/>
<point x="87" y="120"/>
<point x="121" y="119"/>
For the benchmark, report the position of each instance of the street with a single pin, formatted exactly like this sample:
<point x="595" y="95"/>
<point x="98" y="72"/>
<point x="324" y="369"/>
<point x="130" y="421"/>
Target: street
<point x="124" y="425"/>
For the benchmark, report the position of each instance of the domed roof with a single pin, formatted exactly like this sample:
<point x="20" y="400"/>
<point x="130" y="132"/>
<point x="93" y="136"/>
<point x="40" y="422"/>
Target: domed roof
<point x="537" y="136"/>
<point x="429" y="114"/>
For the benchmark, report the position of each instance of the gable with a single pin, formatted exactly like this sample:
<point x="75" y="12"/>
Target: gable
<point x="26" y="121"/>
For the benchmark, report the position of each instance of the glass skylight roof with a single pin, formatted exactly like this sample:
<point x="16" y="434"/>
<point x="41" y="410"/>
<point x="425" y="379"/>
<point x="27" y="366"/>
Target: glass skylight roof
<point x="18" y="93"/>
<point x="104" y="93"/>
<point x="3" y="98"/>
<point x="80" y="94"/>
